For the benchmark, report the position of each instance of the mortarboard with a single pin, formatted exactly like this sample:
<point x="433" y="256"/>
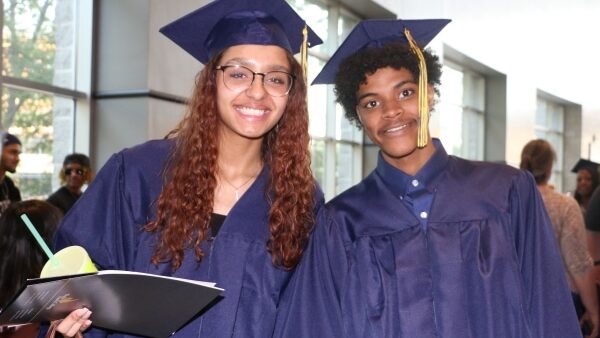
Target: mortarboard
<point x="212" y="28"/>
<point x="377" y="33"/>
<point x="583" y="163"/>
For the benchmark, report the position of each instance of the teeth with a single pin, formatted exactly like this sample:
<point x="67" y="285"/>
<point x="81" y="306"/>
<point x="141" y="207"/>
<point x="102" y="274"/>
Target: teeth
<point x="252" y="111"/>
<point x="391" y="130"/>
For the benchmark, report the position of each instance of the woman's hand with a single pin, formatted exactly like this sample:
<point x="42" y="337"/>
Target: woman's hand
<point x="76" y="321"/>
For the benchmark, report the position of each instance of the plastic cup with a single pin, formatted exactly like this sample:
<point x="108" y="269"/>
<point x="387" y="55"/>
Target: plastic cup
<point x="71" y="260"/>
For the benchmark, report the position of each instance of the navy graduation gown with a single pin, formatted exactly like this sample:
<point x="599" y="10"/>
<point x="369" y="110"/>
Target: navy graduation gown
<point x="107" y="221"/>
<point x="486" y="264"/>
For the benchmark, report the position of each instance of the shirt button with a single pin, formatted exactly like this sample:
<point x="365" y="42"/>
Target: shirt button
<point x="423" y="215"/>
<point x="415" y="183"/>
<point x="401" y="197"/>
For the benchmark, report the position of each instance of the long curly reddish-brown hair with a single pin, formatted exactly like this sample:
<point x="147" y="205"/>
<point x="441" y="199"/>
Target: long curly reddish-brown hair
<point x="185" y="203"/>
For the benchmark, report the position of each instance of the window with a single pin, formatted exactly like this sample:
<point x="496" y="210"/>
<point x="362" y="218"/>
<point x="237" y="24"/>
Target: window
<point x="549" y="125"/>
<point x="39" y="86"/>
<point x="462" y="107"/>
<point x="336" y="145"/>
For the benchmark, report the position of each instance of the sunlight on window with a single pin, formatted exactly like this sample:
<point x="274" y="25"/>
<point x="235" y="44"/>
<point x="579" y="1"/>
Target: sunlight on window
<point x="451" y="110"/>
<point x="335" y="143"/>
<point x="549" y="125"/>
<point x="38" y="47"/>
<point x="462" y="112"/>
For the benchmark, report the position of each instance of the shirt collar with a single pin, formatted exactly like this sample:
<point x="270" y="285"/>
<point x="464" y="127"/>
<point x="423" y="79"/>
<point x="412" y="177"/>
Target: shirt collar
<point x="398" y="182"/>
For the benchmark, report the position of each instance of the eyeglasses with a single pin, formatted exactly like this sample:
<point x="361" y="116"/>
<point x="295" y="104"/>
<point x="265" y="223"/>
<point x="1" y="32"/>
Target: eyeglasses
<point x="239" y="78"/>
<point x="79" y="172"/>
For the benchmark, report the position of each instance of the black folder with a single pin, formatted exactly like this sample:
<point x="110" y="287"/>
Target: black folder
<point x="130" y="302"/>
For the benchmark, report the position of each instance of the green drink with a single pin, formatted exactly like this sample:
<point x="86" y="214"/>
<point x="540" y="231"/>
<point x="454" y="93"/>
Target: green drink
<point x="71" y="260"/>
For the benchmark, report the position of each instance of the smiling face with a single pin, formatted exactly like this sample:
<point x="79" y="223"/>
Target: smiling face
<point x="251" y="113"/>
<point x="389" y="112"/>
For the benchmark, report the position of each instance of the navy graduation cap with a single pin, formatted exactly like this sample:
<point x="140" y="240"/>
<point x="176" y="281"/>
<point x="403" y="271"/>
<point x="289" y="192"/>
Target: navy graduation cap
<point x="583" y="163"/>
<point x="376" y="33"/>
<point x="212" y="28"/>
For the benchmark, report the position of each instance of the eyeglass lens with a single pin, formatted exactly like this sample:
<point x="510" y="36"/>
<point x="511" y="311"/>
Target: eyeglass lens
<point x="239" y="78"/>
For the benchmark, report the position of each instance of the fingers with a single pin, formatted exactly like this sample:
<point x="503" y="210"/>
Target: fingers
<point x="76" y="321"/>
<point x="591" y="325"/>
<point x="594" y="332"/>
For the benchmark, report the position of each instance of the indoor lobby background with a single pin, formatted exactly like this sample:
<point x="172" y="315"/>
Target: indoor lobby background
<point x="97" y="76"/>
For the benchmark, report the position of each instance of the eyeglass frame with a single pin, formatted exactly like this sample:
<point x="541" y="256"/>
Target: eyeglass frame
<point x="77" y="171"/>
<point x="264" y="75"/>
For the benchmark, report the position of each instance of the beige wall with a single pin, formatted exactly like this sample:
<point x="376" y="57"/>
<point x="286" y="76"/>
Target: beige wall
<point x="133" y="57"/>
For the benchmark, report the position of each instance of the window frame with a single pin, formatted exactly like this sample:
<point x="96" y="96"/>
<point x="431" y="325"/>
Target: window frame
<point x="477" y="114"/>
<point x="553" y="111"/>
<point x="332" y="184"/>
<point x="80" y="94"/>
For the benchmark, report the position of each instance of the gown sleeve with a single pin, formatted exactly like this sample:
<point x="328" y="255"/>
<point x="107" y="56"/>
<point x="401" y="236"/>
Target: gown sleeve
<point x="101" y="221"/>
<point x="547" y="299"/>
<point x="310" y="305"/>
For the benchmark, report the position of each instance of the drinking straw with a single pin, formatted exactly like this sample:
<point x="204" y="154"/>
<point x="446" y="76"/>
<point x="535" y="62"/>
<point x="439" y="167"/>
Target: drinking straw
<point x="38" y="238"/>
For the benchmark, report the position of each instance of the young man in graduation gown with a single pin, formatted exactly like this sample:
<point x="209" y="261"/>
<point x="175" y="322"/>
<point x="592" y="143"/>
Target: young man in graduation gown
<point x="427" y="245"/>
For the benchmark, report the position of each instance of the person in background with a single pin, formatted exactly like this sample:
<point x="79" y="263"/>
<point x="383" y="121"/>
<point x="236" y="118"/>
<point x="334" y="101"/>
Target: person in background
<point x="20" y="255"/>
<point x="538" y="157"/>
<point x="427" y="245"/>
<point x="75" y="173"/>
<point x="11" y="150"/>
<point x="587" y="182"/>
<point x="229" y="196"/>
<point x="592" y="224"/>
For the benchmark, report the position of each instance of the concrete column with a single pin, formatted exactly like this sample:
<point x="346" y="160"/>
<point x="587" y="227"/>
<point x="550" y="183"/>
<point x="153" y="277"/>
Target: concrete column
<point x="64" y="74"/>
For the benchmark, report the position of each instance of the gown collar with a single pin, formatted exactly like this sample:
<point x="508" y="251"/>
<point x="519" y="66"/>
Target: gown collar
<point x="252" y="205"/>
<point x="399" y="182"/>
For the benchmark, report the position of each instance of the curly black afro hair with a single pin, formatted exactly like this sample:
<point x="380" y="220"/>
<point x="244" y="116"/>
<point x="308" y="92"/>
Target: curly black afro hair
<point x="354" y="71"/>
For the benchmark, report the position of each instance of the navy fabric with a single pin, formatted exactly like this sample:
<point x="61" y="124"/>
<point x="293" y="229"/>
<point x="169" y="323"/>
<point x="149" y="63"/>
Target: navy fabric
<point x="210" y="29"/>
<point x="255" y="28"/>
<point x="108" y="219"/>
<point x="376" y="33"/>
<point x="486" y="265"/>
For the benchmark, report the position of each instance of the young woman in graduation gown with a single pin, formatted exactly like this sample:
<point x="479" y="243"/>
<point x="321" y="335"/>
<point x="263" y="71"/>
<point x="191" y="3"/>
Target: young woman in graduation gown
<point x="229" y="197"/>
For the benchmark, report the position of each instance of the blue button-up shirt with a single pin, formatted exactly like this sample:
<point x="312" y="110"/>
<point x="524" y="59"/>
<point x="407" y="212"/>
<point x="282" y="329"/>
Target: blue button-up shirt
<point x="416" y="192"/>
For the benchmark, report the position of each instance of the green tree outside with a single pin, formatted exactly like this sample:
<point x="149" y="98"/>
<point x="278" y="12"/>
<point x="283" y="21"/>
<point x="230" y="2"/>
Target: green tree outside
<point x="28" y="52"/>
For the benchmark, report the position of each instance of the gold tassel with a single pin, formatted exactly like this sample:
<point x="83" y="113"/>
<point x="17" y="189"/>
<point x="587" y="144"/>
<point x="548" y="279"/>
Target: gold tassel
<point x="304" y="53"/>
<point x="423" y="101"/>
